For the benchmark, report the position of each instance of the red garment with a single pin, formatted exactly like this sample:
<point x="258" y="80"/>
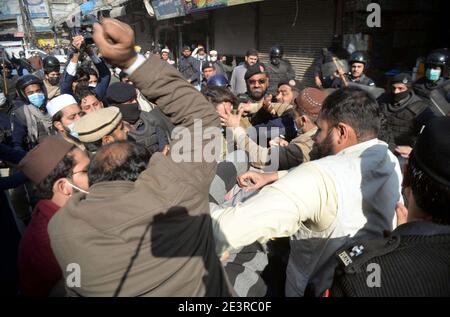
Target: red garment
<point x="38" y="269"/>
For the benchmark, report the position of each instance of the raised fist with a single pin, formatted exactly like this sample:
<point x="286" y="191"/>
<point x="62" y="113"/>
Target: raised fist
<point x="115" y="41"/>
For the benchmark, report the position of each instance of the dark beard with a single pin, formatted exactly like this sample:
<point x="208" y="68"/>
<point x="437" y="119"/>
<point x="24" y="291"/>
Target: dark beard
<point x="325" y="148"/>
<point x="257" y="95"/>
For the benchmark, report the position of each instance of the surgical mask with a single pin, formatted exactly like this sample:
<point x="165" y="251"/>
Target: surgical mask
<point x="213" y="58"/>
<point x="37" y="99"/>
<point x="201" y="57"/>
<point x="401" y="95"/>
<point x="93" y="85"/>
<point x="53" y="81"/>
<point x="72" y="132"/>
<point x="433" y="74"/>
<point x="78" y="188"/>
<point x="2" y="99"/>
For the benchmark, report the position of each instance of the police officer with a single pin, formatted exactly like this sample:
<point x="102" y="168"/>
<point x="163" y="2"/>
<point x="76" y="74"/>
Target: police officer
<point x="415" y="259"/>
<point x="30" y="120"/>
<point x="358" y="65"/>
<point x="434" y="87"/>
<point x="151" y="129"/>
<point x="52" y="76"/>
<point x="326" y="56"/>
<point x="208" y="71"/>
<point x="435" y="67"/>
<point x="278" y="69"/>
<point x="404" y="114"/>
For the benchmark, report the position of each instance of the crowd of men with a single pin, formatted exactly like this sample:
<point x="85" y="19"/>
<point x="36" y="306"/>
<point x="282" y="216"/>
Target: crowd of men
<point x="200" y="178"/>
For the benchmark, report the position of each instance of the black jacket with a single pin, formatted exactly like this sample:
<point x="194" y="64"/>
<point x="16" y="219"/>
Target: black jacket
<point x="401" y="122"/>
<point x="413" y="261"/>
<point x="190" y="69"/>
<point x="283" y="71"/>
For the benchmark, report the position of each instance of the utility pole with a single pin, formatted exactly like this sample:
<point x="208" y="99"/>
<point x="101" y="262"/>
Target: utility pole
<point x="26" y="22"/>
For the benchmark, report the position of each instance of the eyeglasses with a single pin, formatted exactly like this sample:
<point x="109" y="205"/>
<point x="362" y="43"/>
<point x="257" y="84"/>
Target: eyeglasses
<point x="260" y="81"/>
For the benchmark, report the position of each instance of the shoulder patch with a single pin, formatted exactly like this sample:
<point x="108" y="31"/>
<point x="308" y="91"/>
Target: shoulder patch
<point x="347" y="256"/>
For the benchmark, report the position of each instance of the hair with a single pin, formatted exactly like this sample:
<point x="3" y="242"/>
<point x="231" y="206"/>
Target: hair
<point x="62" y="170"/>
<point x="121" y="160"/>
<point x="48" y="71"/>
<point x="57" y="116"/>
<point x="251" y="52"/>
<point x="431" y="196"/>
<point x="295" y="93"/>
<point x="354" y="107"/>
<point x="81" y="74"/>
<point x="216" y="95"/>
<point x="91" y="71"/>
<point x="83" y="92"/>
<point x="122" y="75"/>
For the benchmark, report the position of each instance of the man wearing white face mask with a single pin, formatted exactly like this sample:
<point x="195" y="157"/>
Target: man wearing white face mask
<point x="59" y="170"/>
<point x="30" y="120"/>
<point x="219" y="67"/>
<point x="65" y="110"/>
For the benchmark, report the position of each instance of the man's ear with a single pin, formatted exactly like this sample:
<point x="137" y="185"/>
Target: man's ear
<point x="61" y="186"/>
<point x="304" y="120"/>
<point x="344" y="132"/>
<point x="107" y="139"/>
<point x="58" y="126"/>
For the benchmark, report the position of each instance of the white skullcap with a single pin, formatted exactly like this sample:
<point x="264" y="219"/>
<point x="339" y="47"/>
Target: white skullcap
<point x="165" y="50"/>
<point x="213" y="52"/>
<point x="60" y="102"/>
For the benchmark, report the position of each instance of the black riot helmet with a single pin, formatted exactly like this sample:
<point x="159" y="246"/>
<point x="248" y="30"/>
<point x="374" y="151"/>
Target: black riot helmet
<point x="276" y="51"/>
<point x="359" y="57"/>
<point x="25" y="81"/>
<point x="51" y="64"/>
<point x="439" y="57"/>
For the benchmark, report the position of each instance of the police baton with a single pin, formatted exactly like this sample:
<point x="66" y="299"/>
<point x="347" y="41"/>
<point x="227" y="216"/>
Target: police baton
<point x="340" y="71"/>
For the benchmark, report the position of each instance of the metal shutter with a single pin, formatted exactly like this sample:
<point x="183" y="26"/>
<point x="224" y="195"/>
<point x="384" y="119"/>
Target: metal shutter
<point x="303" y="41"/>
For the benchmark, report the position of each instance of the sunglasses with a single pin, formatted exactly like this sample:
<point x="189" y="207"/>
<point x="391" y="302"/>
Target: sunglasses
<point x="260" y="81"/>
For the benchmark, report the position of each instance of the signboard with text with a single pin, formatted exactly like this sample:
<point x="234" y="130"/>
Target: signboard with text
<point x="166" y="9"/>
<point x="37" y="9"/>
<point x="192" y="6"/>
<point x="9" y="9"/>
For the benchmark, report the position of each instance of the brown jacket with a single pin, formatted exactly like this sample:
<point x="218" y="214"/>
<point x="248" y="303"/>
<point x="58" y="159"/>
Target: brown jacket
<point x="52" y="91"/>
<point x="154" y="234"/>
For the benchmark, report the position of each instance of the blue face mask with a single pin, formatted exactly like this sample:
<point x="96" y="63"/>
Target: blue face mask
<point x="72" y="132"/>
<point x="433" y="74"/>
<point x="37" y="99"/>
